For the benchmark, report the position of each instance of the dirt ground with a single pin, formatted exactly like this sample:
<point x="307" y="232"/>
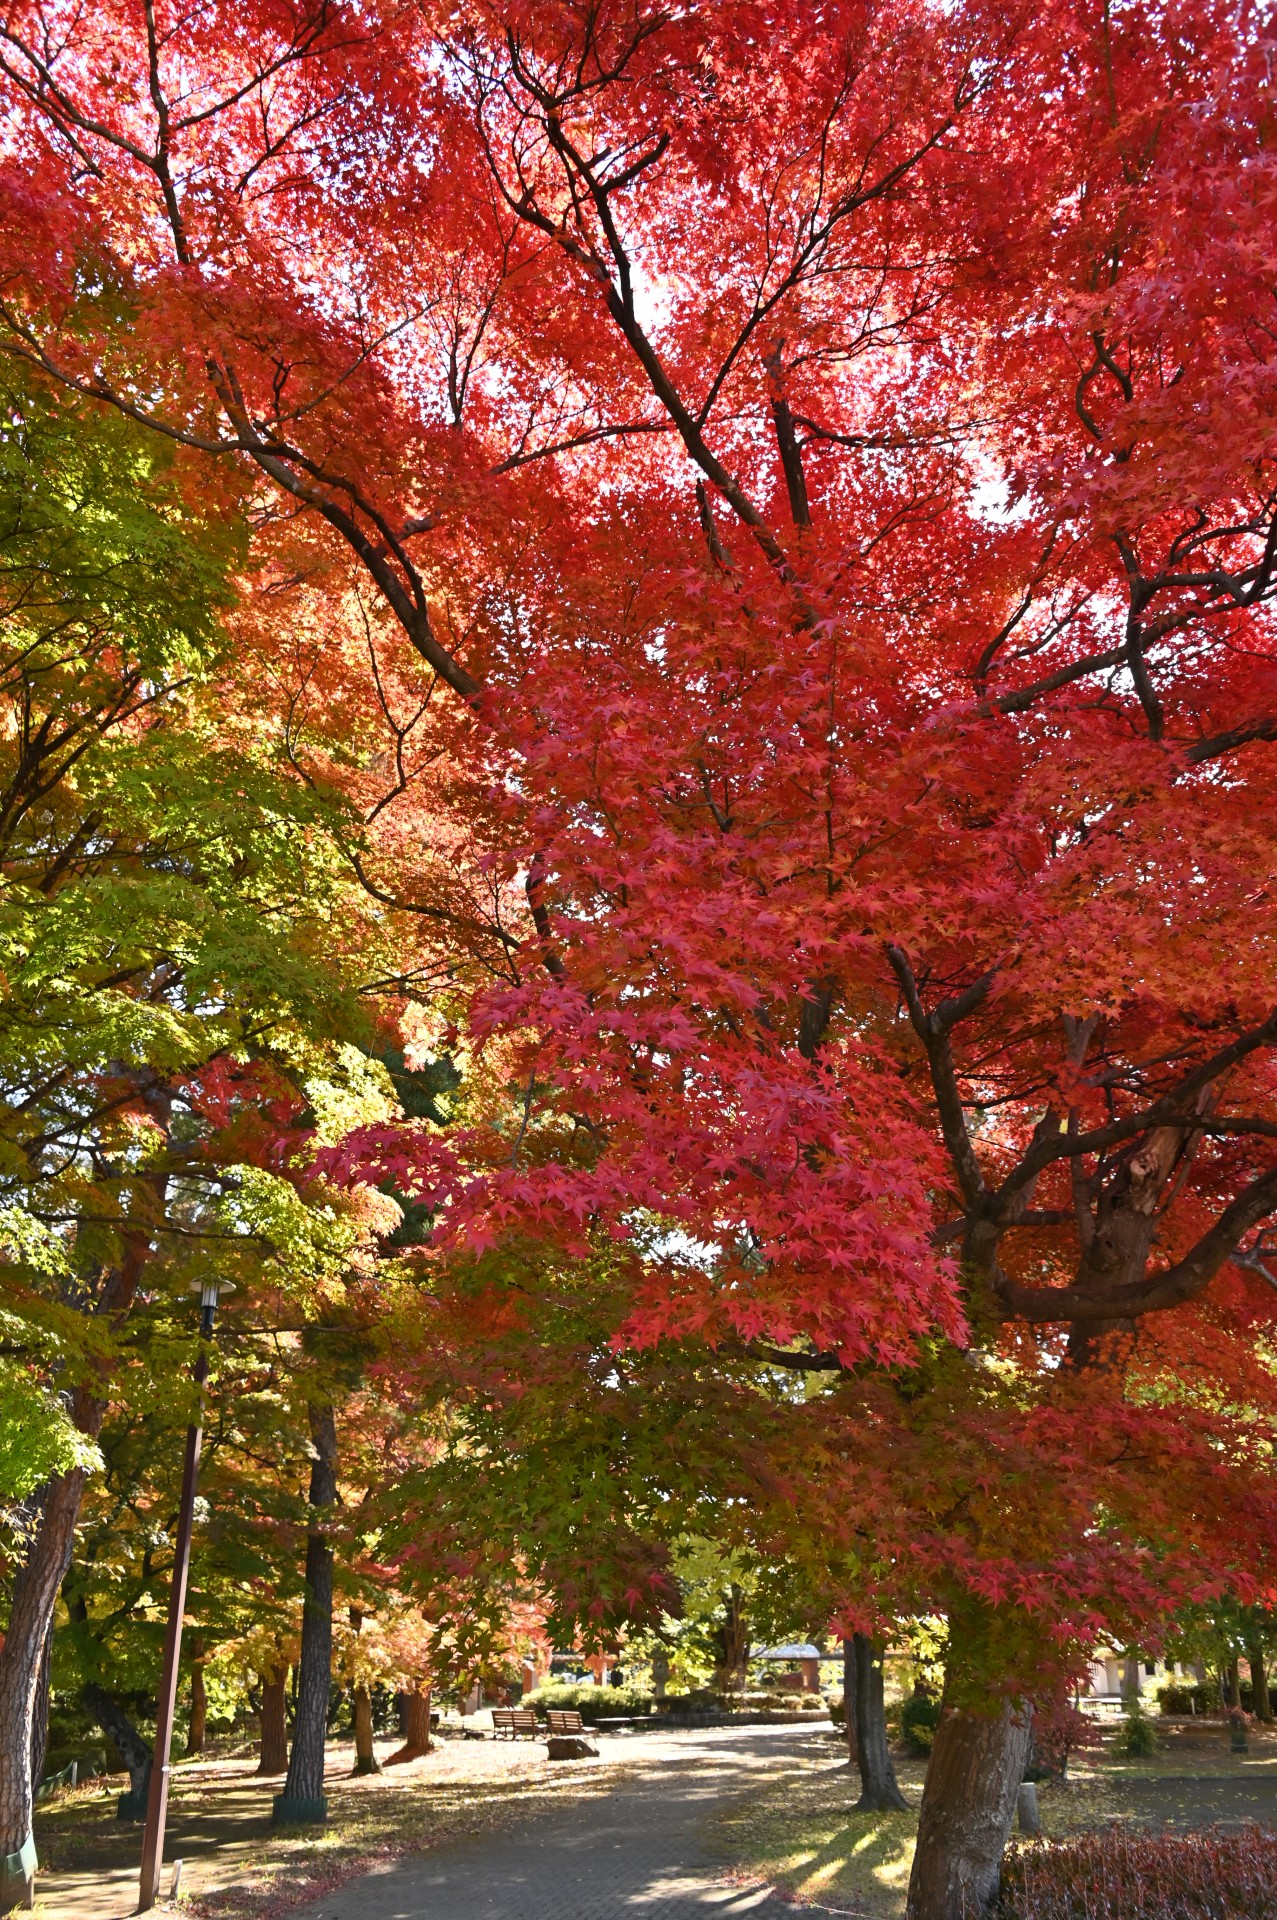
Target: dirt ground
<point x="237" y="1867"/>
<point x="793" y="1830"/>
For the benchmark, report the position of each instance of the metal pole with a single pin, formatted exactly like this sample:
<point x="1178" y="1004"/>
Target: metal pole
<point x="157" y="1802"/>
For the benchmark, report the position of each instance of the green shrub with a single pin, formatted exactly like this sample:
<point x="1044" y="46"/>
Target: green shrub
<point x="1178" y="1697"/>
<point x="1137" y="1736"/>
<point x="697" y="1700"/>
<point x="592" y="1703"/>
<point x="919" y="1718"/>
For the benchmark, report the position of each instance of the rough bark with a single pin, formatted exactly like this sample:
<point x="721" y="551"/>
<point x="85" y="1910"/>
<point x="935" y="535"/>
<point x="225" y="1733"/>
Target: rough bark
<point x="197" y="1729"/>
<point x="416" y="1727"/>
<point x="879" y="1790"/>
<point x="304" y="1786"/>
<point x="40" y="1713"/>
<point x="130" y="1745"/>
<point x="732" y="1643"/>
<point x="274" y="1745"/>
<point x="365" y="1754"/>
<point x="1261" y="1700"/>
<point x="968" y="1804"/>
<point x="35" y="1589"/>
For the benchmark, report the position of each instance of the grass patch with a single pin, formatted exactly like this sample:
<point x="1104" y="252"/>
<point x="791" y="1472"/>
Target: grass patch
<point x="800" y="1835"/>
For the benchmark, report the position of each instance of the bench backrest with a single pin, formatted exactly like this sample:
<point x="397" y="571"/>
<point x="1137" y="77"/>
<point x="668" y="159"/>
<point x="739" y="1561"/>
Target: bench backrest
<point x="523" y="1720"/>
<point x="564" y="1720"/>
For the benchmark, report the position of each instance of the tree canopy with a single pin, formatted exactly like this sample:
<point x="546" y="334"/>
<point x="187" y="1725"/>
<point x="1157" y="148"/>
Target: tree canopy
<point x="640" y="652"/>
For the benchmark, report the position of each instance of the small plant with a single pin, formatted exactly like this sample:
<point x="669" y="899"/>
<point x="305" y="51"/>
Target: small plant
<point x="1059" y="1730"/>
<point x="1137" y="1736"/>
<point x="1221" y="1873"/>
<point x="919" y="1718"/>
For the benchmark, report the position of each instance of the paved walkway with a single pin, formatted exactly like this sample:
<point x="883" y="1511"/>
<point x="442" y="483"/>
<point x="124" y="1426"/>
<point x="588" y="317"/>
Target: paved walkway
<point x="639" y="1853"/>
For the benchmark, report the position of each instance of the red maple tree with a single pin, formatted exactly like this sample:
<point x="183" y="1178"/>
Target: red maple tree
<point x="829" y="451"/>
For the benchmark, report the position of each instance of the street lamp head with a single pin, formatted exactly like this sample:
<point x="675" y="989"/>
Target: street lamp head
<point x="209" y="1291"/>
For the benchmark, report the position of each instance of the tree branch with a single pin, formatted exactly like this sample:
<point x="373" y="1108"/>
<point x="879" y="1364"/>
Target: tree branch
<point x="933" y="1031"/>
<point x="1171" y="1288"/>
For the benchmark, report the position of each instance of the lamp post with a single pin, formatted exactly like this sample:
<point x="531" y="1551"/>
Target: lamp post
<point x="157" y="1800"/>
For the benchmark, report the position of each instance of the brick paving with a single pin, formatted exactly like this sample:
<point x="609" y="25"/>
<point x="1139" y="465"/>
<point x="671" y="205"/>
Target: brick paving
<point x="642" y="1852"/>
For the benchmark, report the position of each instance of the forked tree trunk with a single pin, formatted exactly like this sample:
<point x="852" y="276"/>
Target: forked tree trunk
<point x="879" y="1790"/>
<point x="303" y="1795"/>
<point x="274" y="1747"/>
<point x="416" y="1727"/>
<point x="130" y="1745"/>
<point x="1261" y="1700"/>
<point x="968" y="1804"/>
<point x="365" y="1755"/>
<point x="198" y="1728"/>
<point x="35" y="1589"/>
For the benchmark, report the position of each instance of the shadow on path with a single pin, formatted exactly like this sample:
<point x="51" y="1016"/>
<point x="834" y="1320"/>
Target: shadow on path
<point x="639" y="1851"/>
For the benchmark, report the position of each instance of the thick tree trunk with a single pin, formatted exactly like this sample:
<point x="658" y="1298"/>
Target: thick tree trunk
<point x="274" y="1745"/>
<point x="968" y="1804"/>
<point x="35" y="1589"/>
<point x="732" y="1669"/>
<point x="132" y="1748"/>
<point x="198" y="1728"/>
<point x="1234" y="1683"/>
<point x="1259" y="1682"/>
<point x="416" y="1739"/>
<point x="303" y="1795"/>
<point x="879" y="1792"/>
<point x="365" y="1755"/>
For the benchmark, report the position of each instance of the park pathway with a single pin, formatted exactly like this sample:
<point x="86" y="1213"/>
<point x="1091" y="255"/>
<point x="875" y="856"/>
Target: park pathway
<point x="643" y="1851"/>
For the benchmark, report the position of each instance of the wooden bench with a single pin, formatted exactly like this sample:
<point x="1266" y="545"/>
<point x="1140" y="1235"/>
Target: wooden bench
<point x="563" y="1720"/>
<point x="514" y="1723"/>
